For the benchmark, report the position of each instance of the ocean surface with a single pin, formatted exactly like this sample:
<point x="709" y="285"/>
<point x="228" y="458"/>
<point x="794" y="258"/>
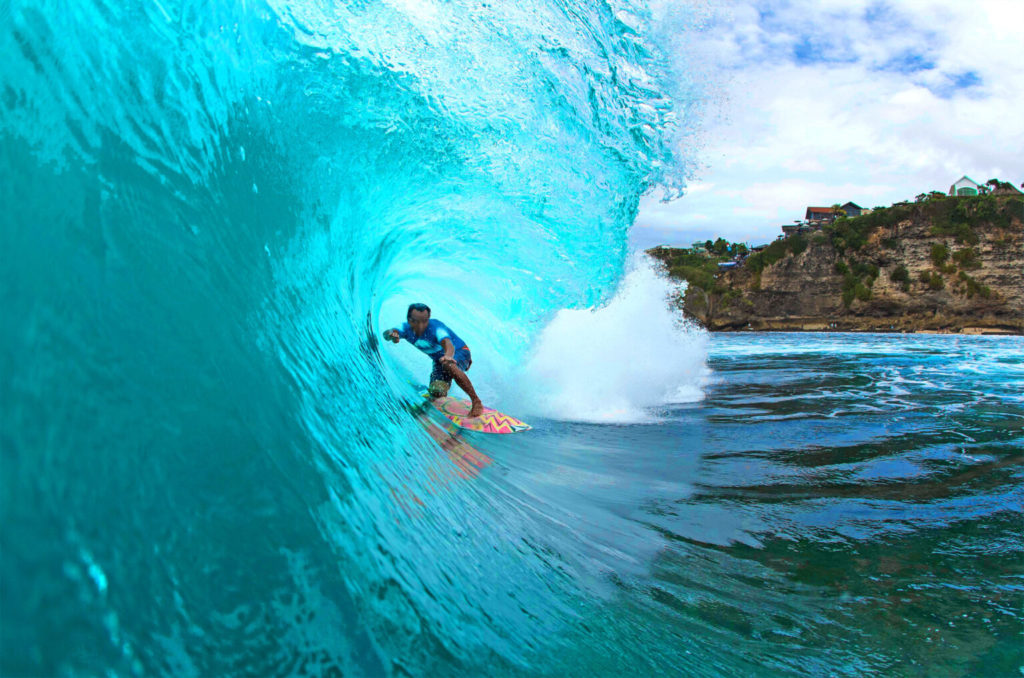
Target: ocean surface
<point x="211" y="466"/>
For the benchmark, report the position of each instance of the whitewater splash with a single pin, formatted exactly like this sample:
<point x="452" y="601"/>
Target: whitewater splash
<point x="210" y="212"/>
<point x="620" y="362"/>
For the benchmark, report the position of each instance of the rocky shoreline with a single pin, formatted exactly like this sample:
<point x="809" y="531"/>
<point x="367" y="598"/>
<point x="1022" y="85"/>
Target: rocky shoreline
<point x="949" y="265"/>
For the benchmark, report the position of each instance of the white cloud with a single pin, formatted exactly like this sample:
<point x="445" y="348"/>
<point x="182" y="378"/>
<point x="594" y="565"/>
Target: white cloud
<point x="851" y="100"/>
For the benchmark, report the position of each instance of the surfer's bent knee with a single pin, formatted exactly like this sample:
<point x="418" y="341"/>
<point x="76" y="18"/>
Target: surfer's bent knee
<point x="439" y="388"/>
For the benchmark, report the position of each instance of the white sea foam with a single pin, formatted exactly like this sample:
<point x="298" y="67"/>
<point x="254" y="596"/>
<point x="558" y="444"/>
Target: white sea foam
<point x="621" y="362"/>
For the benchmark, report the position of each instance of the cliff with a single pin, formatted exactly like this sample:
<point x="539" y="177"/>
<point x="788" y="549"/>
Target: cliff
<point x="945" y="264"/>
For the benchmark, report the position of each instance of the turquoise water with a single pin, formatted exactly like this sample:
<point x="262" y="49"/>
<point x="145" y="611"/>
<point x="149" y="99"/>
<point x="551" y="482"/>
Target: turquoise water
<point x="212" y="467"/>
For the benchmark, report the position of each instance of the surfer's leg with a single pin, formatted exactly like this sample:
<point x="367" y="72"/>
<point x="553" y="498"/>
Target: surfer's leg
<point x="440" y="382"/>
<point x="466" y="385"/>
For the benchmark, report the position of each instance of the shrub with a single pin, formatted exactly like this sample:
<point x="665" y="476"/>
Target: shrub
<point x="953" y="217"/>
<point x="890" y="243"/>
<point x="852" y="234"/>
<point x="963" y="233"/>
<point x="939" y="254"/>
<point x="853" y="288"/>
<point x="768" y="256"/>
<point x="935" y="282"/>
<point x="775" y="252"/>
<point x="862" y="269"/>
<point x="1014" y="207"/>
<point x="973" y="287"/>
<point x="900" y="274"/>
<point x="986" y="208"/>
<point x="755" y="262"/>
<point x="967" y="258"/>
<point x="842" y="268"/>
<point x="797" y="244"/>
<point x="698" y="277"/>
<point x="924" y="276"/>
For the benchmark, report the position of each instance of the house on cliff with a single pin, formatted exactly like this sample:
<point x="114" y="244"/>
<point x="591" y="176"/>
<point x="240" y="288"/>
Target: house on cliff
<point x="819" y="214"/>
<point x="964" y="186"/>
<point x="852" y="209"/>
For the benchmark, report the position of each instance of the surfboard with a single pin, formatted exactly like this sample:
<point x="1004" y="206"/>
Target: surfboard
<point x="491" y="421"/>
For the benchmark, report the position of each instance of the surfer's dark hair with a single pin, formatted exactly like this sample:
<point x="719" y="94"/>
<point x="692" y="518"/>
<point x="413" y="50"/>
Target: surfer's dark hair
<point x="416" y="307"/>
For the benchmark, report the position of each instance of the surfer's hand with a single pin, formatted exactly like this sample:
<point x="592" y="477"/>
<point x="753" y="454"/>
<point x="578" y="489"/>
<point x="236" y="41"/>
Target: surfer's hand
<point x="391" y="335"/>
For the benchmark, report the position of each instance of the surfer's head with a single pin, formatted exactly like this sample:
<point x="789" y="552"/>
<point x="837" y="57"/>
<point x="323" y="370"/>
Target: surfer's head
<point x="418" y="316"/>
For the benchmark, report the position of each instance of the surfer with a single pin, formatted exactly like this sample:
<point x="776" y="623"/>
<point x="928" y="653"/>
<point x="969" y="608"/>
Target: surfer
<point x="450" y="354"/>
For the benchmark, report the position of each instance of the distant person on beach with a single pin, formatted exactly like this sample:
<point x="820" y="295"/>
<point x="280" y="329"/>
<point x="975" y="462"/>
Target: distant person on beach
<point x="450" y="354"/>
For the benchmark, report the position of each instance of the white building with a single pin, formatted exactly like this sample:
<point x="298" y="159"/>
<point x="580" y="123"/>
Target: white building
<point x="964" y="186"/>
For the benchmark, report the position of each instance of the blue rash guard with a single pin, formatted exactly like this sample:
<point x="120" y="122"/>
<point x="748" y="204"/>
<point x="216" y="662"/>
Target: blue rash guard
<point x="430" y="341"/>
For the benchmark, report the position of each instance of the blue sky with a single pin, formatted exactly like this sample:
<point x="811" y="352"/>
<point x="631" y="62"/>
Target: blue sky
<point x="814" y="102"/>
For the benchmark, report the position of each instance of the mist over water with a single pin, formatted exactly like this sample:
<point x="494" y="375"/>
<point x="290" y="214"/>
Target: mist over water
<point x="211" y="466"/>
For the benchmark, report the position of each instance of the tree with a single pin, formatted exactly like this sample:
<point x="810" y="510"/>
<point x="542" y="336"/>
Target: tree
<point x="837" y="211"/>
<point x="721" y="247"/>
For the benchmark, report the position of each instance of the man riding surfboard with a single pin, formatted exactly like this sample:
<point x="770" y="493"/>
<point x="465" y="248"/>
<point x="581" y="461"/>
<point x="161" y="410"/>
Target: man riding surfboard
<point x="450" y="354"/>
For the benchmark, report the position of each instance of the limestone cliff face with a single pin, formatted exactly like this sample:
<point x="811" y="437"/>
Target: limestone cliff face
<point x="906" y="276"/>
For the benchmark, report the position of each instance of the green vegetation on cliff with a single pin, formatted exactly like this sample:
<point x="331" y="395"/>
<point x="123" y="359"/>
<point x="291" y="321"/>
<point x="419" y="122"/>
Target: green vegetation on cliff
<point x="699" y="268"/>
<point x="774" y="252"/>
<point x="949" y="215"/>
<point x="938" y="262"/>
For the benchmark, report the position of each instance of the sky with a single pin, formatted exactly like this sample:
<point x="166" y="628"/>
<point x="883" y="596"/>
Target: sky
<point x="816" y="102"/>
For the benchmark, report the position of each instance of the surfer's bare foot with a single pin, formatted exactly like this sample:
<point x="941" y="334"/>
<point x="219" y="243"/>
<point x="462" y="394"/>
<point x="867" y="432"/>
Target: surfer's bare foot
<point x="476" y="410"/>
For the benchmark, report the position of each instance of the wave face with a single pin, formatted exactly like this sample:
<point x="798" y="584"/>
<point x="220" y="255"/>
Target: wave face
<point x="211" y="466"/>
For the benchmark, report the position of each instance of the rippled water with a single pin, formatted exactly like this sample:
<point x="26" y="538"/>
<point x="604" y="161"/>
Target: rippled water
<point x="836" y="505"/>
